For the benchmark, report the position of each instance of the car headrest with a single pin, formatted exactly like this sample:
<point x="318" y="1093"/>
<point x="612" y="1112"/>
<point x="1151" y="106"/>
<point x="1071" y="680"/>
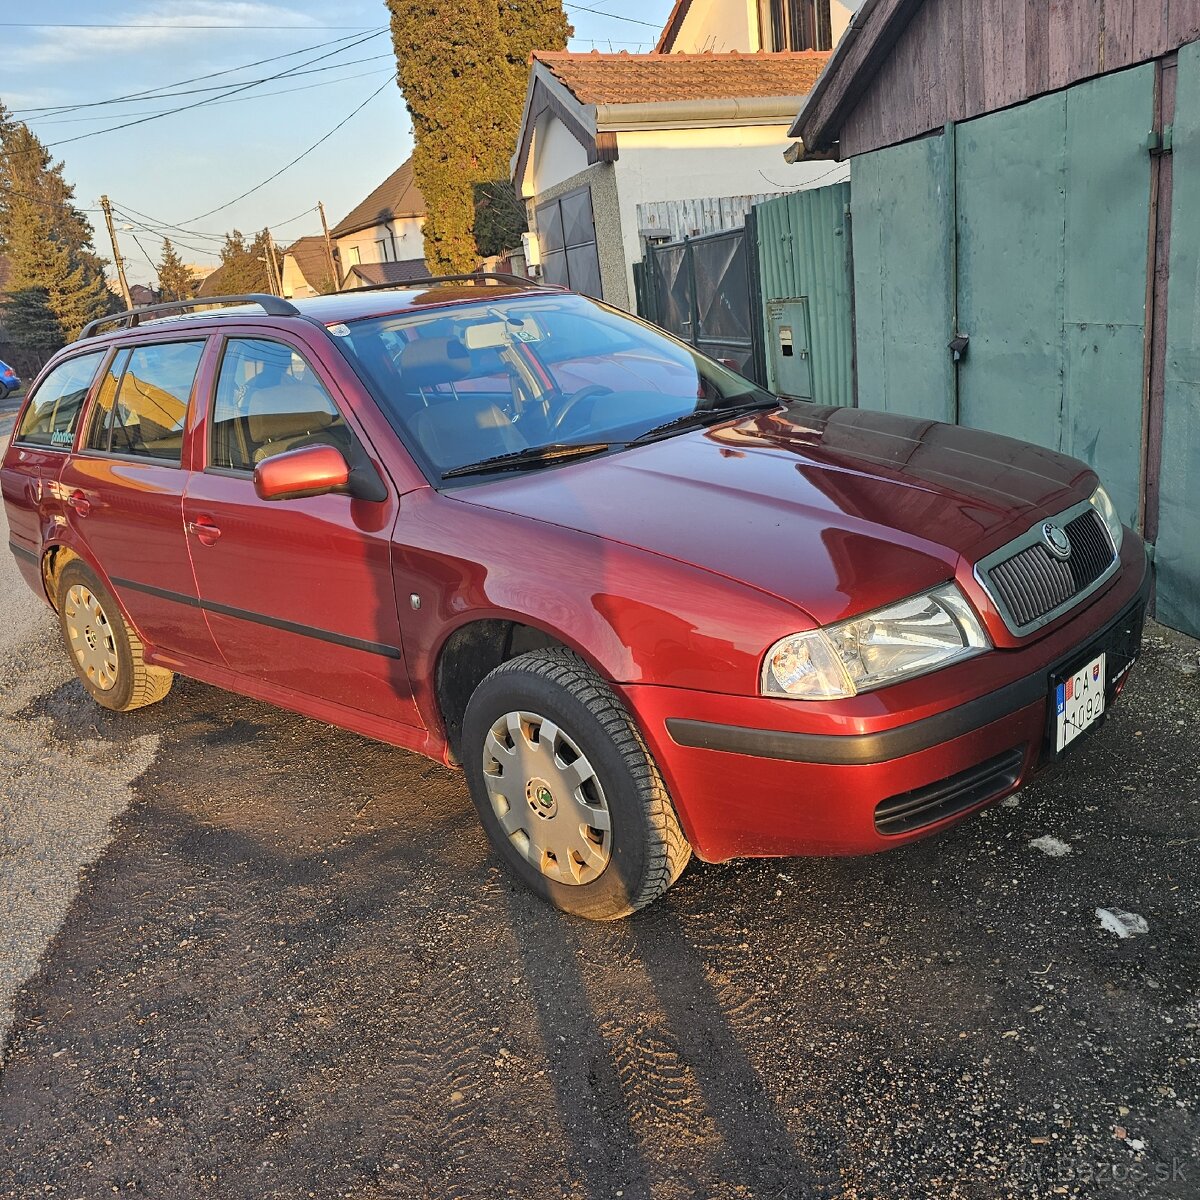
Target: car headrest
<point x="426" y="362"/>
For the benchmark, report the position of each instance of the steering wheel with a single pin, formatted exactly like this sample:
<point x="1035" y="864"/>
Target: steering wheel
<point x="593" y="391"/>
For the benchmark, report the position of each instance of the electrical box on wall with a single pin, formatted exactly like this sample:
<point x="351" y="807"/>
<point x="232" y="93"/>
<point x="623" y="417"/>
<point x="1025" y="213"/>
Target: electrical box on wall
<point x="533" y="250"/>
<point x="788" y="348"/>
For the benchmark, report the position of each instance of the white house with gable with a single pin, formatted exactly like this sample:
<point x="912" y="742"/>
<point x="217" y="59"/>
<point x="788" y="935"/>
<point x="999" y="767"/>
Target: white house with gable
<point x="602" y="134"/>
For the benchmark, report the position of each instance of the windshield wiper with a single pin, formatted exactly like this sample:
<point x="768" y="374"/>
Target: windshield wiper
<point x="700" y="417"/>
<point x="529" y="457"/>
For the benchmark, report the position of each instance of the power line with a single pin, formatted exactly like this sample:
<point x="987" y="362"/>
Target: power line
<point x="298" y="157"/>
<point x="159" y="93"/>
<point x="165" y="229"/>
<point x="162" y="228"/>
<point x="198" y="103"/>
<point x="141" y="25"/>
<point x="9" y="191"/>
<point x="41" y="122"/>
<point x="211" y="251"/>
<point x="144" y="254"/>
<point x="611" y="16"/>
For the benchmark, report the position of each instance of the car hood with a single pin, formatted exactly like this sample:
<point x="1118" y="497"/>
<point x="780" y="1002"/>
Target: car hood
<point x="836" y="510"/>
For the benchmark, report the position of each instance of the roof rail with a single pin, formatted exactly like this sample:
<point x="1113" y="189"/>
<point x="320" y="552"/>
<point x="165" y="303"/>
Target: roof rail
<point x="272" y="305"/>
<point x="474" y="277"/>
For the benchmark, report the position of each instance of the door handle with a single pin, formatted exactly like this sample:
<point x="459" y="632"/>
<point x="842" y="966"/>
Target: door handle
<point x="79" y="502"/>
<point x="204" y="529"/>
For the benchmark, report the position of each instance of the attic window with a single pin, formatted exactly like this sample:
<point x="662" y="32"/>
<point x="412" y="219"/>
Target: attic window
<point x="795" y="24"/>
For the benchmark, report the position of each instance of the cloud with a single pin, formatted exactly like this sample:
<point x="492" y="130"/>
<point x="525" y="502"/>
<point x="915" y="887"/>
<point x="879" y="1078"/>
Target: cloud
<point x="155" y="27"/>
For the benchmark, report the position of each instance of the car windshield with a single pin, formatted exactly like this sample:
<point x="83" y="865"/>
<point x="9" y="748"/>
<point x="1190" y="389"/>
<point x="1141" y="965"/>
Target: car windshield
<point x="505" y="379"/>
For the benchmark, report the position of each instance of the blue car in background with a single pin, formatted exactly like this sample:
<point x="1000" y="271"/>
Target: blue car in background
<point x="9" y="380"/>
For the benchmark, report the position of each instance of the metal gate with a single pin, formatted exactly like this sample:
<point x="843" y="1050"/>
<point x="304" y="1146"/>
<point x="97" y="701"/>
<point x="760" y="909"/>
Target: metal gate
<point x="567" y="233"/>
<point x="803" y="249"/>
<point x="705" y="291"/>
<point x="1025" y="232"/>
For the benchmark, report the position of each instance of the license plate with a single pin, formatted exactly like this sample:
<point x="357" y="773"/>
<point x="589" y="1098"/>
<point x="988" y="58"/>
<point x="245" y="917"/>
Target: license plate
<point x="1079" y="702"/>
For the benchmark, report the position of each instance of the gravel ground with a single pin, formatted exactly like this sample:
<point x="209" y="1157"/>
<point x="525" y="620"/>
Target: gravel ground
<point x="293" y="969"/>
<point x="57" y="797"/>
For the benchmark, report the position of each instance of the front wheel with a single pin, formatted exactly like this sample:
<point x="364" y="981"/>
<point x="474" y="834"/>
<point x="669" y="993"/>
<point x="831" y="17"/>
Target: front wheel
<point x="567" y="790"/>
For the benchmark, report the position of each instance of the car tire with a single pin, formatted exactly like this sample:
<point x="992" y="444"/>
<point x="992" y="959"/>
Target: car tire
<point x="548" y="748"/>
<point x="104" y="649"/>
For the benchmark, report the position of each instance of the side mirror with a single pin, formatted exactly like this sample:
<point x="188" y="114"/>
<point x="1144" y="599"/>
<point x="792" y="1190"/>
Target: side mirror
<point x="309" y="471"/>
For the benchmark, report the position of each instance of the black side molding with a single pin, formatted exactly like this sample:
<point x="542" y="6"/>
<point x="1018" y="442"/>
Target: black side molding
<point x="21" y="552"/>
<point x="225" y="610"/>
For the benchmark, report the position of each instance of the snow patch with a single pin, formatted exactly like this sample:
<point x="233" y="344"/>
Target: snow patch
<point x="1123" y="924"/>
<point x="1050" y="845"/>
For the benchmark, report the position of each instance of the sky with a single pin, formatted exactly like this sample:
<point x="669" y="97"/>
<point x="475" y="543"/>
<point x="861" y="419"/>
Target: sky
<point x="175" y="170"/>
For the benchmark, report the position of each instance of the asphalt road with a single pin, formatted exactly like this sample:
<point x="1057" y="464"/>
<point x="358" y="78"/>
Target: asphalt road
<point x="292" y="968"/>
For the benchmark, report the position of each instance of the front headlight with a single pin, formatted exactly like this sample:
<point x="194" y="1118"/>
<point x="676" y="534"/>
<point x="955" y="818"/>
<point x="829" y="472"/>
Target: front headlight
<point x="911" y="637"/>
<point x="1101" y="501"/>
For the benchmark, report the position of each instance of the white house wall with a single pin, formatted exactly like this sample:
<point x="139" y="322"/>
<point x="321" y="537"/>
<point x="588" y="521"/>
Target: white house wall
<point x="294" y="283"/>
<point x="720" y="26"/>
<point x="410" y="243"/>
<point x="705" y="162"/>
<point x="839" y="19"/>
<point x="734" y="25"/>
<point x="557" y="155"/>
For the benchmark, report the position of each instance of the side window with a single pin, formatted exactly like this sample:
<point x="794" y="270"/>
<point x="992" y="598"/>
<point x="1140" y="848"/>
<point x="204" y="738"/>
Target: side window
<point x="269" y="400"/>
<point x="142" y="404"/>
<point x="53" y="411"/>
<point x="102" y="407"/>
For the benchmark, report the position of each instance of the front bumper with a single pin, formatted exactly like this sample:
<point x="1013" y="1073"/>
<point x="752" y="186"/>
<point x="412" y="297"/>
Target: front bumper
<point x="755" y="776"/>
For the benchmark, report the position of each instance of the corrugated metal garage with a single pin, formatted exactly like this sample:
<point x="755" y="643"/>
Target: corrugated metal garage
<point x="1026" y="176"/>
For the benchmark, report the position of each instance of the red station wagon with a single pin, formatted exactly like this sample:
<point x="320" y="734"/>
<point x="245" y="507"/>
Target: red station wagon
<point x="648" y="608"/>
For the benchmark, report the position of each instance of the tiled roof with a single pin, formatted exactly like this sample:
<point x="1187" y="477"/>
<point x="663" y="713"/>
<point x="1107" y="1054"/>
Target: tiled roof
<point x="391" y="272"/>
<point x="397" y="196"/>
<point x="646" y="78"/>
<point x="310" y="256"/>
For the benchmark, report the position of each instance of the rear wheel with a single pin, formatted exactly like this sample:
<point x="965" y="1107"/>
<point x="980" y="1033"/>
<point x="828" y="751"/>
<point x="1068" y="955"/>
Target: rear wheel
<point x="566" y="787"/>
<point x="106" y="652"/>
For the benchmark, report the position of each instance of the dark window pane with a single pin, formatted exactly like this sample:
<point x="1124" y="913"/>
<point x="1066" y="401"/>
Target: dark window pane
<point x="150" y="410"/>
<point x="269" y="400"/>
<point x="53" y="412"/>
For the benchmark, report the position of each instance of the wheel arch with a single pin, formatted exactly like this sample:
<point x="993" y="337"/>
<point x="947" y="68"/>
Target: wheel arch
<point x="477" y="646"/>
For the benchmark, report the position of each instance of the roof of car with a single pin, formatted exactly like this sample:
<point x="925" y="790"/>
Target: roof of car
<point x="341" y="306"/>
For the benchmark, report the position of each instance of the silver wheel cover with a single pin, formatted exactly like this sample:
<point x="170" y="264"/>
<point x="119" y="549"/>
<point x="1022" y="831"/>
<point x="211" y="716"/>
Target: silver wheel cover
<point x="91" y="637"/>
<point x="547" y="798"/>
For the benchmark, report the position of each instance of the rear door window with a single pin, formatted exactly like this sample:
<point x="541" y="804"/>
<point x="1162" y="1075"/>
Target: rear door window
<point x="141" y="409"/>
<point x="53" y="411"/>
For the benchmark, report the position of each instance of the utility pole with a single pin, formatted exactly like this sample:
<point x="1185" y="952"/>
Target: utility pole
<point x="276" y="277"/>
<point x="112" y="236"/>
<point x="333" y="271"/>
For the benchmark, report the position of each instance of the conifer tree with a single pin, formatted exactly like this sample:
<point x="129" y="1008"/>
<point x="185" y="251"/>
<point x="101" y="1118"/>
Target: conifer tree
<point x="244" y="264"/>
<point x="175" y="278"/>
<point x="46" y="239"/>
<point x="463" y="66"/>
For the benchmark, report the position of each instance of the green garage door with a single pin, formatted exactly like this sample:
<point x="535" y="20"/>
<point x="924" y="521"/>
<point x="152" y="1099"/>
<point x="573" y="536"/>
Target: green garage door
<point x="1052" y="216"/>
<point x="1178" y="545"/>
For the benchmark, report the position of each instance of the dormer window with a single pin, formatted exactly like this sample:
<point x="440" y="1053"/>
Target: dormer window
<point x="795" y="24"/>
